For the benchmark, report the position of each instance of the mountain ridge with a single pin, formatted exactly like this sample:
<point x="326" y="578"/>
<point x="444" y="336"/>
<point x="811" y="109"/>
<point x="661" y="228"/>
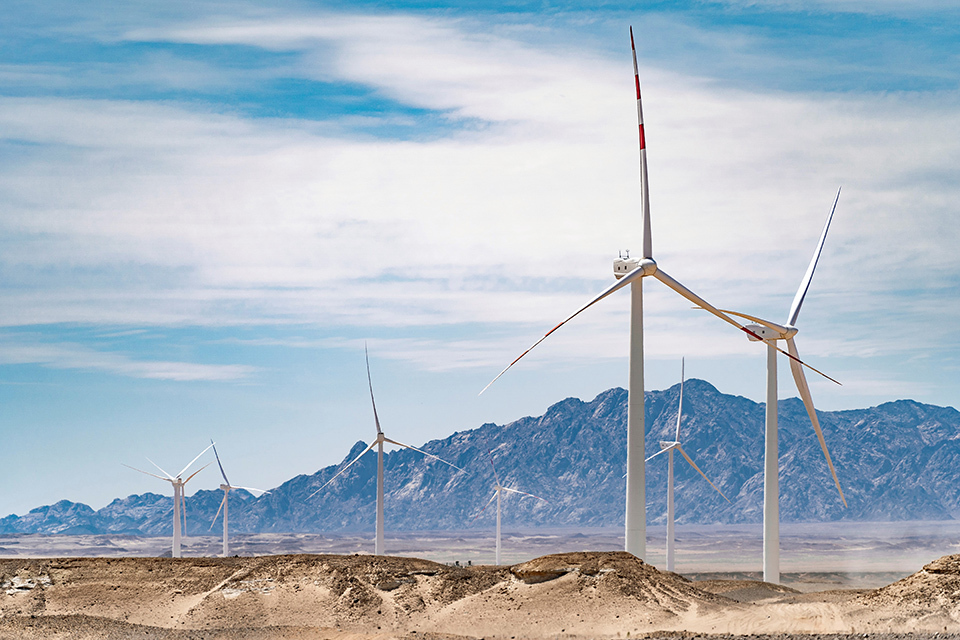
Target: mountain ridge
<point x="899" y="460"/>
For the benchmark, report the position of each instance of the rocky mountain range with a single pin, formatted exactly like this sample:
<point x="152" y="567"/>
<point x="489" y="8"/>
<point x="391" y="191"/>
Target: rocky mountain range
<point x="896" y="461"/>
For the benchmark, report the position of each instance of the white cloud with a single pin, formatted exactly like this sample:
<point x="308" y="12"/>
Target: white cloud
<point x="77" y="356"/>
<point x="193" y="217"/>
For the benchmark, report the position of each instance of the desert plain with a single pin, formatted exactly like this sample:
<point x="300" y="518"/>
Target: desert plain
<point x="341" y="593"/>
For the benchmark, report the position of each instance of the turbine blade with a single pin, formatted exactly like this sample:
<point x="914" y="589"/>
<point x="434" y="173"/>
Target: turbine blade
<point x="376" y="418"/>
<point x="169" y="477"/>
<point x="808" y="276"/>
<point x="486" y="505"/>
<point x="680" y="408"/>
<point x="372" y="445"/>
<point x="196" y="472"/>
<point x="429" y="455"/>
<point x="773" y="326"/>
<point x="148" y="473"/>
<point x="644" y="184"/>
<point x="195" y="459"/>
<point x="524" y="493"/>
<point x="251" y="489"/>
<point x="495" y="474"/>
<point x="222" y="472"/>
<point x="222" y="502"/>
<point x="804" y="390"/>
<point x="619" y="284"/>
<point x="656" y="454"/>
<point x="694" y="465"/>
<point x="665" y="278"/>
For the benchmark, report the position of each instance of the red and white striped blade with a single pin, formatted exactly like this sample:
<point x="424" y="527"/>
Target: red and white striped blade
<point x="644" y="184"/>
<point x="492" y="498"/>
<point x="619" y="284"/>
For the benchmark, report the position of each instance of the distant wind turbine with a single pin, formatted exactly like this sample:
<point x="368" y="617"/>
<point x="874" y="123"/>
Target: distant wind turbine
<point x="178" y="485"/>
<point x="770" y="332"/>
<point x="378" y="443"/>
<point x="668" y="448"/>
<point x="632" y="271"/>
<point x="225" y="503"/>
<point x="497" y="493"/>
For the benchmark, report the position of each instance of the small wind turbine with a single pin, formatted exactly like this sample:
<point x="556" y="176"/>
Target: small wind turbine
<point x="632" y="271"/>
<point x="225" y="504"/>
<point x="498" y="490"/>
<point x="770" y="332"/>
<point x="669" y="447"/>
<point x="378" y="443"/>
<point x="178" y="484"/>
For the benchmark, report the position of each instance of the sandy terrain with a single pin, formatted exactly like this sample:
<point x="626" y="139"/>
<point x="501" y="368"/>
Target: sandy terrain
<point x="340" y="597"/>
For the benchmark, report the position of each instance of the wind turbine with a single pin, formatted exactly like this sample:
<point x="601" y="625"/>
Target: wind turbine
<point x="631" y="271"/>
<point x="669" y="447"/>
<point x="497" y="492"/>
<point x="770" y="332"/>
<point x="378" y="443"/>
<point x="178" y="484"/>
<point x="225" y="504"/>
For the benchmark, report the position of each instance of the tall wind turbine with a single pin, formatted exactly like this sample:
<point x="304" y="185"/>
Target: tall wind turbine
<point x="178" y="484"/>
<point x="225" y="503"/>
<point x="631" y="271"/>
<point x="668" y="448"/>
<point x="497" y="493"/>
<point x="378" y="443"/>
<point x="770" y="332"/>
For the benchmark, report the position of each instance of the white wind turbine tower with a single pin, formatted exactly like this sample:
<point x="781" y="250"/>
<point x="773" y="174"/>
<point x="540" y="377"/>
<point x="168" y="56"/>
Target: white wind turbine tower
<point x="378" y="443"/>
<point x="225" y="503"/>
<point x="497" y="493"/>
<point x="770" y="332"/>
<point x="178" y="484"/>
<point x="669" y="447"/>
<point x="631" y="271"/>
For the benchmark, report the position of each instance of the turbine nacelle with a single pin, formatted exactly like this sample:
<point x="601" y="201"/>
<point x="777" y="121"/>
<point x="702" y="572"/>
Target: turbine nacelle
<point x="770" y="331"/>
<point x="624" y="264"/>
<point x="225" y="487"/>
<point x="664" y="445"/>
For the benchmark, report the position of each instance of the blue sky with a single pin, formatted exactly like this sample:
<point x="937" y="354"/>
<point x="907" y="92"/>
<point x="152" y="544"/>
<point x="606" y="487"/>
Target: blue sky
<point x="207" y="208"/>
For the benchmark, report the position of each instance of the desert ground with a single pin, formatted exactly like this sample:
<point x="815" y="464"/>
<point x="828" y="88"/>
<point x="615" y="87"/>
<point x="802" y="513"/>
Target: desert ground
<point x="841" y="580"/>
<point x="606" y="594"/>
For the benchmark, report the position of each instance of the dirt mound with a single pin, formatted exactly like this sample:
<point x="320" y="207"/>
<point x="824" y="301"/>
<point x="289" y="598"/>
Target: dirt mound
<point x="935" y="587"/>
<point x="601" y="593"/>
<point x="318" y="591"/>
<point x="745" y="590"/>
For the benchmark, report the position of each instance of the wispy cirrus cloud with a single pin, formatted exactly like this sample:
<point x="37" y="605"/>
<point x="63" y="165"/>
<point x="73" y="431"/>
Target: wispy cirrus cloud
<point x="81" y="357"/>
